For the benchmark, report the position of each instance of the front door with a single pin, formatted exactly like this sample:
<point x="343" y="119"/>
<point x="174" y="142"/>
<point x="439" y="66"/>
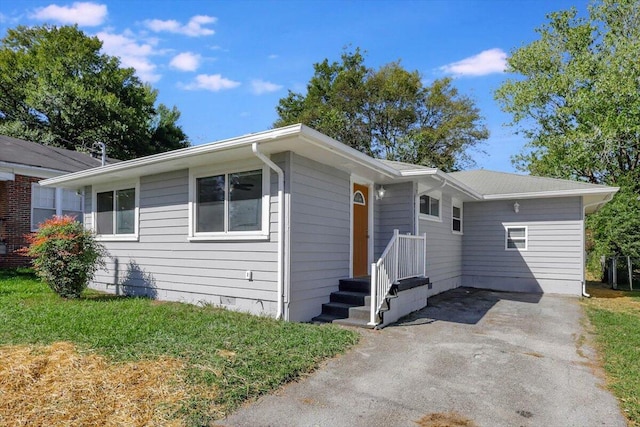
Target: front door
<point x="360" y="200"/>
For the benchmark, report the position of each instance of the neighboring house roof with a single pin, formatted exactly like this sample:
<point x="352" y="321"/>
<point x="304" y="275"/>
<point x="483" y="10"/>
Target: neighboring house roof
<point x="18" y="152"/>
<point x="312" y="144"/>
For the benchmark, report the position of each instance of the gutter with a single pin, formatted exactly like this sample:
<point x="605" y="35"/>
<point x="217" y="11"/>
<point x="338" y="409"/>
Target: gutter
<point x="280" y="172"/>
<point x="607" y="199"/>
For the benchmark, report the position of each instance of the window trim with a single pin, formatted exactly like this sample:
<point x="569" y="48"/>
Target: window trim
<point x="429" y="217"/>
<point x="58" y="204"/>
<point x="122" y="185"/>
<point x="457" y="204"/>
<point x="207" y="171"/>
<point x="525" y="238"/>
<point x="364" y="199"/>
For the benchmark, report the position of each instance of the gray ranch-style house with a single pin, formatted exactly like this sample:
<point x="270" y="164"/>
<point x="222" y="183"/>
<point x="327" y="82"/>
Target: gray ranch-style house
<point x="293" y="224"/>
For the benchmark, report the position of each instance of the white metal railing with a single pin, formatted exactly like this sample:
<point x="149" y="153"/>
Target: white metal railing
<point x="405" y="256"/>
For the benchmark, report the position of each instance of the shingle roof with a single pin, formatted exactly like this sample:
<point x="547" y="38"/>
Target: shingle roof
<point x="494" y="183"/>
<point x="18" y="151"/>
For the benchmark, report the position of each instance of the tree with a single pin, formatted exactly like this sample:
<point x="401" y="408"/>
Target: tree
<point x="387" y="113"/>
<point x="57" y="88"/>
<point x="577" y="101"/>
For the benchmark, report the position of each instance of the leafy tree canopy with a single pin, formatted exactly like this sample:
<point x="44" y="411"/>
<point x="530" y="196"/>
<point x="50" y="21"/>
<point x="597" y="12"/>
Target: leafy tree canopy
<point x="57" y="88"/>
<point x="577" y="101"/>
<point x="388" y="113"/>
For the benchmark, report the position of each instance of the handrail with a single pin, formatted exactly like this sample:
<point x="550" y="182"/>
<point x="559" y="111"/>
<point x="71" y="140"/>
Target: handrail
<point x="405" y="256"/>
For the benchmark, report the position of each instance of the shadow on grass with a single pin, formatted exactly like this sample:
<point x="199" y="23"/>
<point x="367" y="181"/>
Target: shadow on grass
<point x="17" y="273"/>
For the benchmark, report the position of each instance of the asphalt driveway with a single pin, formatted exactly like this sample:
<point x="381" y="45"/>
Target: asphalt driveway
<point x="493" y="358"/>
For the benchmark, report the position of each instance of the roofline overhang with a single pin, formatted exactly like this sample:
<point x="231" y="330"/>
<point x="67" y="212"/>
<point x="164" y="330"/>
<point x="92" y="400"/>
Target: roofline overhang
<point x="557" y="193"/>
<point x="262" y="138"/>
<point x="30" y="170"/>
<point x="443" y="177"/>
<point x="182" y="153"/>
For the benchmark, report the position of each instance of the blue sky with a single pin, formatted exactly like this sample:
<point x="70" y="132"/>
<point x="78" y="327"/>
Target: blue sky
<point x="225" y="64"/>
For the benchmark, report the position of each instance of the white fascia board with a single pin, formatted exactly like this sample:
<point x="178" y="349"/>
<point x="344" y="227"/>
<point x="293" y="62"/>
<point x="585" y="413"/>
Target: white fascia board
<point x="557" y="193"/>
<point x="319" y="139"/>
<point x="245" y="140"/>
<point x="32" y="171"/>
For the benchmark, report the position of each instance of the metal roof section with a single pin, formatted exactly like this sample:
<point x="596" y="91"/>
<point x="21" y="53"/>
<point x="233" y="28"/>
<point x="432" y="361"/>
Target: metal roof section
<point x="20" y="153"/>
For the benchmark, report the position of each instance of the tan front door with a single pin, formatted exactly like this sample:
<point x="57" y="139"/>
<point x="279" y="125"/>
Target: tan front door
<point x="360" y="200"/>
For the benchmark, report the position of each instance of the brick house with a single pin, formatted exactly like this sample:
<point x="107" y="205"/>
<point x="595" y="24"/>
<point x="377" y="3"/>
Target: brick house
<point x="23" y="202"/>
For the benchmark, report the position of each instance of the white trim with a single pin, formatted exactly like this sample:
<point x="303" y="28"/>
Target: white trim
<point x="432" y="194"/>
<point x="113" y="187"/>
<point x="353" y="198"/>
<point x="556" y="193"/>
<point x="506" y="237"/>
<point x="235" y="167"/>
<point x="31" y="171"/>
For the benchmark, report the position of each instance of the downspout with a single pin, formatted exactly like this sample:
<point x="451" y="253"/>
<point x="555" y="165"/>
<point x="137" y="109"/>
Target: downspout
<point x="280" y="172"/>
<point x="584" y="264"/>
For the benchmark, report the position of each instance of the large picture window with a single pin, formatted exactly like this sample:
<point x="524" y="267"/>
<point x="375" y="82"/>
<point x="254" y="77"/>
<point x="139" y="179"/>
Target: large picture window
<point x="430" y="206"/>
<point x="229" y="203"/>
<point x="48" y="201"/>
<point x="116" y="212"/>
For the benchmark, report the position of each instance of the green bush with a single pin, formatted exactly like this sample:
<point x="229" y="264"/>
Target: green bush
<point x="66" y="255"/>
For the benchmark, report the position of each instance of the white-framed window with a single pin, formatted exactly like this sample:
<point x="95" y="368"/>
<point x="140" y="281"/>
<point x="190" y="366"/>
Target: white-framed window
<point x="358" y="198"/>
<point x="229" y="204"/>
<point x="516" y="237"/>
<point x="456" y="217"/>
<point x="430" y="207"/>
<point x="115" y="211"/>
<point x="49" y="201"/>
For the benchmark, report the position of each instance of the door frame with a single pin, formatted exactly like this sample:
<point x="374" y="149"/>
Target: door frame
<point x="355" y="179"/>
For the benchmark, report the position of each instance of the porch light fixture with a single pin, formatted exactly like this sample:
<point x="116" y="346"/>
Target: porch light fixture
<point x="380" y="192"/>
<point x="516" y="207"/>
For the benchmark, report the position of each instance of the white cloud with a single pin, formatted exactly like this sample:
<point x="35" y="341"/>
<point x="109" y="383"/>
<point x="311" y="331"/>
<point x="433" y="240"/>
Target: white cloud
<point x="260" y="87"/>
<point x="193" y="28"/>
<point x="131" y="54"/>
<point x="186" y="61"/>
<point x="81" y="13"/>
<point x="486" y="62"/>
<point x="212" y="82"/>
<point x="273" y="56"/>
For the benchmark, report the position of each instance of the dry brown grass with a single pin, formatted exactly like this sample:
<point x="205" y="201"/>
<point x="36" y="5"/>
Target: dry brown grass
<point x="602" y="296"/>
<point x="445" y="419"/>
<point x="57" y="385"/>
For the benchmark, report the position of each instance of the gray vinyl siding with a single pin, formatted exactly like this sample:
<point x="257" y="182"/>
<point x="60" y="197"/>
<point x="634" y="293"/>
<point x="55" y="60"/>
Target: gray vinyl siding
<point x="394" y="211"/>
<point x="320" y="203"/>
<point x="165" y="265"/>
<point x="553" y="261"/>
<point x="444" y="248"/>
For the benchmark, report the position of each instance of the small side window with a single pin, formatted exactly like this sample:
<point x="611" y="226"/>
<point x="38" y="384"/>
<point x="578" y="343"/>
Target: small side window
<point x="430" y="206"/>
<point x="456" y="219"/>
<point x="358" y="198"/>
<point x="516" y="238"/>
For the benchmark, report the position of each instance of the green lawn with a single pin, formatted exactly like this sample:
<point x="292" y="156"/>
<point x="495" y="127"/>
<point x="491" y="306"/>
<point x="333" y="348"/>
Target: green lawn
<point x="241" y="355"/>
<point x="616" y="318"/>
